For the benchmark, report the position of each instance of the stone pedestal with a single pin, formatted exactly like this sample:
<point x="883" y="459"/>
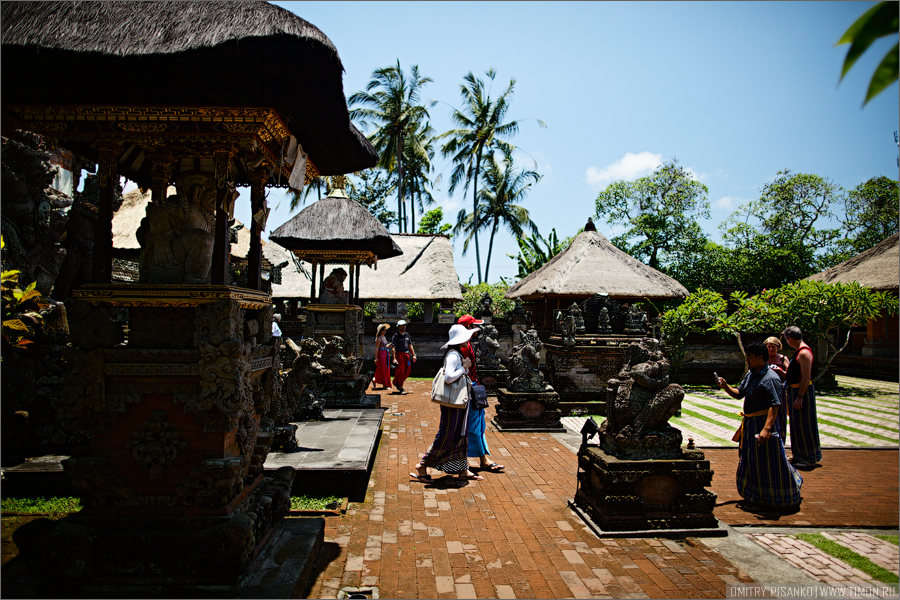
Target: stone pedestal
<point x="493" y="379"/>
<point x="173" y="486"/>
<point x="528" y="411"/>
<point x="646" y="495"/>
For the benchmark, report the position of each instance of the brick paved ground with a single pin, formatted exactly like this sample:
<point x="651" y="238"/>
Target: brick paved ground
<point x="509" y="536"/>
<point x="513" y="536"/>
<point x="830" y="570"/>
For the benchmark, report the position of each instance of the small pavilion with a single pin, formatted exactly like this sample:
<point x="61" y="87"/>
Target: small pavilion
<point x="590" y="265"/>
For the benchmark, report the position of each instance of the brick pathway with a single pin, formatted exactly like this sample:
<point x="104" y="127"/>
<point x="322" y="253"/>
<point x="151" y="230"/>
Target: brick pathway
<point x="513" y="536"/>
<point x="831" y="571"/>
<point x="509" y="536"/>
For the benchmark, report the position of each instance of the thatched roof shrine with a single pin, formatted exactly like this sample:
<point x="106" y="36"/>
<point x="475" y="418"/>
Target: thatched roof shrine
<point x="591" y="265"/>
<point x="333" y="225"/>
<point x="877" y="268"/>
<point x="424" y="273"/>
<point x="158" y="63"/>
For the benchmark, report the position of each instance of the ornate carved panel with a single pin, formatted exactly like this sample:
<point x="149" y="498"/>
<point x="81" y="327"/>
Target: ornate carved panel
<point x="156" y="443"/>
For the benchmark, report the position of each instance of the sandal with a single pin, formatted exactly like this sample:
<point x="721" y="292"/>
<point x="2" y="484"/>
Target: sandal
<point x="422" y="478"/>
<point x="493" y="468"/>
<point x="471" y="476"/>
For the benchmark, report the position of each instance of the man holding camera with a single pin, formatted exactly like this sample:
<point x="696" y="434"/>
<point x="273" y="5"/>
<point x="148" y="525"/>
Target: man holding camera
<point x="765" y="477"/>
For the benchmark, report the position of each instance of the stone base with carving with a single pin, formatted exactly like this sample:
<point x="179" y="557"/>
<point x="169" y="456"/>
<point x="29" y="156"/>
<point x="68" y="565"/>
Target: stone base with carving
<point x="646" y="495"/>
<point x="528" y="411"/>
<point x="493" y="379"/>
<point x="349" y="393"/>
<point x="660" y="444"/>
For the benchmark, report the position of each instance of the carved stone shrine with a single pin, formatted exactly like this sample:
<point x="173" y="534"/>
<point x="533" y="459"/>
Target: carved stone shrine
<point x="527" y="402"/>
<point x="588" y="347"/>
<point x="178" y="439"/>
<point x="639" y="478"/>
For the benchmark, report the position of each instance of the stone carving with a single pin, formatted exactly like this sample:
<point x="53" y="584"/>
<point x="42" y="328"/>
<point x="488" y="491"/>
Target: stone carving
<point x="176" y="236"/>
<point x="264" y="318"/>
<point x="215" y="483"/>
<point x="577" y="318"/>
<point x="603" y="325"/>
<point x="596" y="320"/>
<point x="486" y="348"/>
<point x="517" y="314"/>
<point x="486" y="305"/>
<point x="217" y="322"/>
<point x="333" y="288"/>
<point x="99" y="480"/>
<point x="332" y="357"/>
<point x="637" y="426"/>
<point x="301" y="386"/>
<point x="224" y="385"/>
<point x="32" y="212"/>
<point x="524" y="365"/>
<point x="92" y="326"/>
<point x="247" y="433"/>
<point x="156" y="443"/>
<point x="635" y="319"/>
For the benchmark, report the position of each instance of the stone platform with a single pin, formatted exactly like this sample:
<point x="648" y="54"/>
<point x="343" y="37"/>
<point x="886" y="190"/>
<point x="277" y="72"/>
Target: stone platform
<point x="284" y="568"/>
<point x="528" y="411"/>
<point x="335" y="456"/>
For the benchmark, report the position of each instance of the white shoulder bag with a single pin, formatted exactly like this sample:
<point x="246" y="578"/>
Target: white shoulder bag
<point x="454" y="395"/>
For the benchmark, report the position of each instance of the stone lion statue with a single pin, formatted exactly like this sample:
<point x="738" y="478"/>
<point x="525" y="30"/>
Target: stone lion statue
<point x="524" y="365"/>
<point x="637" y="423"/>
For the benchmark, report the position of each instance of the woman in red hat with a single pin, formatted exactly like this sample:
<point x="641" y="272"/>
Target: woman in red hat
<point x="477" y="425"/>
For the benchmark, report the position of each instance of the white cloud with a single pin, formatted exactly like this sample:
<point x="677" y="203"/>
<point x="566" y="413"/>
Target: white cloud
<point x="629" y="167"/>
<point x="729" y="202"/>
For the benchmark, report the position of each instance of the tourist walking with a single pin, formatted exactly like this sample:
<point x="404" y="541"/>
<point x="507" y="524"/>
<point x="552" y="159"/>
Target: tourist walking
<point x="382" y="358"/>
<point x="765" y="477"/>
<point x="778" y="362"/>
<point x="403" y="354"/>
<point x="800" y="398"/>
<point x="447" y="452"/>
<point x="477" y="426"/>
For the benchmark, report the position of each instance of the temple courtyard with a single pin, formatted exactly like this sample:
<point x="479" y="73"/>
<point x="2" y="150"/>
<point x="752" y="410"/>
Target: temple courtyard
<point x="513" y="535"/>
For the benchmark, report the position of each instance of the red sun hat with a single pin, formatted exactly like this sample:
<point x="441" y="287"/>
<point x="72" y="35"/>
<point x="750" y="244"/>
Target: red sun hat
<point x="469" y="320"/>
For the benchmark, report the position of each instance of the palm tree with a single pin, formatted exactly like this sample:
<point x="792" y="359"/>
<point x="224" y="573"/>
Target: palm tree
<point x="419" y="154"/>
<point x="394" y="107"/>
<point x="504" y="187"/>
<point x="480" y="128"/>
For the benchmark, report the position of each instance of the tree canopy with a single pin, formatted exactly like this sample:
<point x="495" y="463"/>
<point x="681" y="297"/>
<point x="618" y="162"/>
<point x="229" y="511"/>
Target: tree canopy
<point x="659" y="211"/>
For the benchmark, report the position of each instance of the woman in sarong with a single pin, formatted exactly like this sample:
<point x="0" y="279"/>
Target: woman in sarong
<point x="382" y="358"/>
<point x="447" y="452"/>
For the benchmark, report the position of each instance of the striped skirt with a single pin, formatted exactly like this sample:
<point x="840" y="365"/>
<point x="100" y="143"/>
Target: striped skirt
<point x="764" y="475"/>
<point x="448" y="450"/>
<point x="805" y="444"/>
<point x="477" y="426"/>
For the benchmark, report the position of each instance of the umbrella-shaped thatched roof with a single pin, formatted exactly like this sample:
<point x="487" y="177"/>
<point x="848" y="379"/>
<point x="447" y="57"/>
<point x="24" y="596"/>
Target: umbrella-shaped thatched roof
<point x="424" y="273"/>
<point x="592" y="265"/>
<point x="336" y="223"/>
<point x="877" y="268"/>
<point x="183" y="54"/>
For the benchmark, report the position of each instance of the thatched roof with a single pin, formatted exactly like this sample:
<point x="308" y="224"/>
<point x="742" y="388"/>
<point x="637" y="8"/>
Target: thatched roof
<point x="336" y="223"/>
<point x="425" y="273"/>
<point x="877" y="268"/>
<point x="184" y="54"/>
<point x="591" y="265"/>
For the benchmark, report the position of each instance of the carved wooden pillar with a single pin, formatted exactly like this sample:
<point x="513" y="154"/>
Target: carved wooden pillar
<point x="258" y="211"/>
<point x="312" y="290"/>
<point x="356" y="298"/>
<point x="321" y="281"/>
<point x="221" y="248"/>
<point x="108" y="175"/>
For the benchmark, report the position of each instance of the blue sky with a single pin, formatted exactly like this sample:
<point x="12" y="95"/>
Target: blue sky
<point x="735" y="90"/>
